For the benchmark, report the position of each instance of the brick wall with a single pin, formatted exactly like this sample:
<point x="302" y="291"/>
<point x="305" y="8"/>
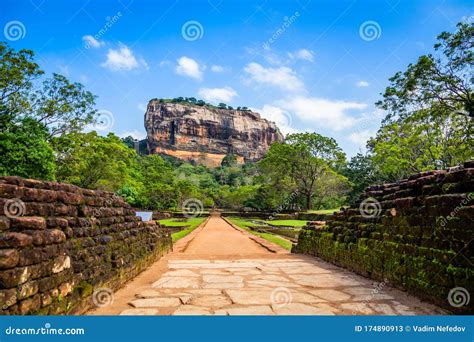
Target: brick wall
<point x="416" y="234"/>
<point x="61" y="244"/>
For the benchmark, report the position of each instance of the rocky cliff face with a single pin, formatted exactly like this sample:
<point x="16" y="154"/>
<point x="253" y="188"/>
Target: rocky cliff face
<point x="206" y="135"/>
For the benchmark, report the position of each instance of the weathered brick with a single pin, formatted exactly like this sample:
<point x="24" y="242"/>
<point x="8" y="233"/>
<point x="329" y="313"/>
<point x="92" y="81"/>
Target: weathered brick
<point x="30" y="256"/>
<point x="54" y="247"/>
<point x="66" y="288"/>
<point x="46" y="299"/>
<point x="56" y="222"/>
<point x="10" y="191"/>
<point x="4" y="223"/>
<point x="27" y="289"/>
<point x="7" y="298"/>
<point x="28" y="223"/>
<point x="9" y="258"/>
<point x="30" y="304"/>
<point x="429" y="233"/>
<point x="15" y="276"/>
<point x="14" y="239"/>
<point x="54" y="236"/>
<point x="61" y="263"/>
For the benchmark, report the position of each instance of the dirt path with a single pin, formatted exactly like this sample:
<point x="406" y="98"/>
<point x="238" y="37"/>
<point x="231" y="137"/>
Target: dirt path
<point x="216" y="239"/>
<point x="219" y="269"/>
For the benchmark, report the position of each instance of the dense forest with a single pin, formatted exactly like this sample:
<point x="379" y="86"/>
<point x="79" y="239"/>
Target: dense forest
<point x="45" y="134"/>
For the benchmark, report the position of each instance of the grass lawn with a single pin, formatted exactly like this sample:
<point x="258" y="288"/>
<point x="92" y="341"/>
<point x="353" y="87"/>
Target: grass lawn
<point x="191" y="222"/>
<point x="323" y="211"/>
<point x="267" y="236"/>
<point x="287" y="223"/>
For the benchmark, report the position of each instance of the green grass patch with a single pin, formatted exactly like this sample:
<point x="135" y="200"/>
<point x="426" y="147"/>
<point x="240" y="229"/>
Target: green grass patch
<point x="176" y="222"/>
<point x="242" y="223"/>
<point x="323" y="211"/>
<point x="193" y="223"/>
<point x="288" y="223"/>
<point x="267" y="236"/>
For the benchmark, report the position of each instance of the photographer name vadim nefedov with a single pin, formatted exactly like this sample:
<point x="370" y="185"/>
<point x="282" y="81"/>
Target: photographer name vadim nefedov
<point x="439" y="328"/>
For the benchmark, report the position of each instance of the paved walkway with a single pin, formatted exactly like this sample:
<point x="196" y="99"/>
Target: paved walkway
<point x="219" y="270"/>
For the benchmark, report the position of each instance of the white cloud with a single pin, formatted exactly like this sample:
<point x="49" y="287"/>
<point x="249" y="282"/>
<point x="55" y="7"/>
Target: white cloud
<point x="360" y="138"/>
<point x="323" y="112"/>
<point x="189" y="67"/>
<point x="305" y="54"/>
<point x="362" y="84"/>
<point x="217" y="68"/>
<point x="284" y="78"/>
<point x="216" y="95"/>
<point x="122" y="59"/>
<point x="90" y="41"/>
<point x="136" y="134"/>
<point x="279" y="116"/>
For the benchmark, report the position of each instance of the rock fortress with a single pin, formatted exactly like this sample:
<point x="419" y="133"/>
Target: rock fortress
<point x="206" y="134"/>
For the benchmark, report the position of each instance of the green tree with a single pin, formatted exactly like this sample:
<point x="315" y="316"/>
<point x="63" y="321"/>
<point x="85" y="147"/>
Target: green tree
<point x="445" y="79"/>
<point x="18" y="71"/>
<point x="423" y="141"/>
<point x="157" y="180"/>
<point x="25" y="152"/>
<point x="56" y="108"/>
<point x="95" y="162"/>
<point x="300" y="165"/>
<point x="229" y="160"/>
<point x="361" y="172"/>
<point x="423" y="129"/>
<point x="320" y="147"/>
<point x="129" y="141"/>
<point x="63" y="107"/>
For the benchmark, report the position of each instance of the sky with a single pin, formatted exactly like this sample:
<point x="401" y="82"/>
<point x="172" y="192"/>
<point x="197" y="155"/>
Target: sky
<point x="309" y="66"/>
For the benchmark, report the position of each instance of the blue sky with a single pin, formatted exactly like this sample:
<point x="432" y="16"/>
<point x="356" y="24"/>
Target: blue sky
<point x="307" y="65"/>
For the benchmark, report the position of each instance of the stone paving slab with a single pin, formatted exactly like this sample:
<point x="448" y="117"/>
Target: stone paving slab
<point x="269" y="287"/>
<point x="155" y="302"/>
<point x="139" y="312"/>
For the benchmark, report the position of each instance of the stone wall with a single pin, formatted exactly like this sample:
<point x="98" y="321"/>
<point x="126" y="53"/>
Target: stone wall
<point x="64" y="249"/>
<point x="416" y="234"/>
